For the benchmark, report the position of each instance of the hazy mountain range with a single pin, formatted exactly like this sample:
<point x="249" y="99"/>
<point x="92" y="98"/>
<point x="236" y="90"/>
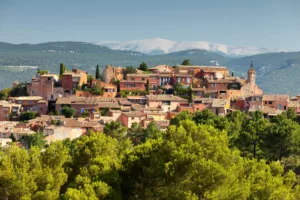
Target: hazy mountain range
<point x="277" y="72"/>
<point x="156" y="46"/>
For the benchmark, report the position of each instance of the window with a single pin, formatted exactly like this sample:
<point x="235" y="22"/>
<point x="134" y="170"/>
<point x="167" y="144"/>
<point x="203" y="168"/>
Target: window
<point x="143" y="79"/>
<point x="132" y="79"/>
<point x="188" y="80"/>
<point x="258" y="107"/>
<point x="33" y="92"/>
<point x="154" y="87"/>
<point x="132" y="118"/>
<point x="270" y="102"/>
<point x="19" y="102"/>
<point x="82" y="110"/>
<point x="214" y="85"/>
<point x="166" y="102"/>
<point x="279" y="106"/>
<point x="178" y="80"/>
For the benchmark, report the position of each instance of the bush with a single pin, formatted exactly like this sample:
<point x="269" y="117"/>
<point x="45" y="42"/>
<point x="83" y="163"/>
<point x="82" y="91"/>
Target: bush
<point x="68" y="112"/>
<point x="28" y="116"/>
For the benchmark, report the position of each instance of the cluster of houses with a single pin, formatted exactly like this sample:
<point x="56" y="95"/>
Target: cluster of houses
<point x="151" y="96"/>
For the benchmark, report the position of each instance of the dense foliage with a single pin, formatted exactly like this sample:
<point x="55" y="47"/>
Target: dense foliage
<point x="25" y="116"/>
<point x="200" y="156"/>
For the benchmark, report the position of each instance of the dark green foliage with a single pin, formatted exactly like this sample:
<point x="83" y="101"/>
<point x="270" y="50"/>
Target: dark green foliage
<point x="115" y="130"/>
<point x="125" y="93"/>
<point x="19" y="90"/>
<point x="189" y="161"/>
<point x="98" y="76"/>
<point x="129" y="70"/>
<point x="186" y="62"/>
<point x="35" y="140"/>
<point x="68" y="112"/>
<point x="234" y="86"/>
<point x="143" y="66"/>
<point x="25" y="116"/>
<point x="4" y="94"/>
<point x="41" y="72"/>
<point x="62" y="69"/>
<point x="147" y="86"/>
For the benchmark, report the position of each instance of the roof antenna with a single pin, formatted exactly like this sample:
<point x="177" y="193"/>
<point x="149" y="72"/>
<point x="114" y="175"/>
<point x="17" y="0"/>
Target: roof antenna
<point x="251" y="65"/>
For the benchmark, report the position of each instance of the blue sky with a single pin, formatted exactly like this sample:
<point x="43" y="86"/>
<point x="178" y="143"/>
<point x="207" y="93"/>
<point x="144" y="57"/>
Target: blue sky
<point x="260" y="23"/>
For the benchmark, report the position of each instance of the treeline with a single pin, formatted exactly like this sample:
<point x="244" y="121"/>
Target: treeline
<point x="200" y="156"/>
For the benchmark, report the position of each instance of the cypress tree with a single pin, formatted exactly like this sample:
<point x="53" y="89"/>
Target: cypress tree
<point x="62" y="68"/>
<point x="97" y="73"/>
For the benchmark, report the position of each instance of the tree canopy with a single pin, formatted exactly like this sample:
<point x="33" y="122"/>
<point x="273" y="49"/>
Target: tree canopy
<point x="186" y="62"/>
<point x="143" y="66"/>
<point x="200" y="156"/>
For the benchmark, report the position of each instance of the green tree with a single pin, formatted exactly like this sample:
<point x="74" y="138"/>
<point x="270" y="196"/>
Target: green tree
<point x="282" y="138"/>
<point x="115" y="129"/>
<point x="25" y="116"/>
<point x="68" y="112"/>
<point x="129" y="70"/>
<point x="90" y="79"/>
<point x="19" y="90"/>
<point x="253" y="131"/>
<point x="186" y="62"/>
<point x="184" y="115"/>
<point x="136" y="134"/>
<point x="4" y="94"/>
<point x="41" y="72"/>
<point x="98" y="77"/>
<point x="143" y="66"/>
<point x="147" y="86"/>
<point x="62" y="69"/>
<point x="35" y="140"/>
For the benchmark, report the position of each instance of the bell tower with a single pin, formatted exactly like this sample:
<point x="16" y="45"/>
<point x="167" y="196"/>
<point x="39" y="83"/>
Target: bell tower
<point x="251" y="74"/>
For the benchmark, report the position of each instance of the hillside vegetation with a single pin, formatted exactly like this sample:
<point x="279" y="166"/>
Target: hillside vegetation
<point x="200" y="156"/>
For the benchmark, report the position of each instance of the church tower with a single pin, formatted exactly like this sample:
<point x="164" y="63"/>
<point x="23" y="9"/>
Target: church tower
<point x="251" y="74"/>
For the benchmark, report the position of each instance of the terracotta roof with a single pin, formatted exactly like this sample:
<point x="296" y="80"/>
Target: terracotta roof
<point x="163" y="124"/>
<point x="28" y="98"/>
<point x="294" y="104"/>
<point x="165" y="98"/>
<point x="138" y="75"/>
<point x="134" y="114"/>
<point x="204" y="100"/>
<point x="270" y="111"/>
<point x="109" y="105"/>
<point x="69" y="122"/>
<point x="136" y="97"/>
<point x="131" y="81"/>
<point x="77" y="100"/>
<point x="184" y="75"/>
<point x="276" y="97"/>
<point x="205" y="68"/>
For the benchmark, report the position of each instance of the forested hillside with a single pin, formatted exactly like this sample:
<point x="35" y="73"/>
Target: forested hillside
<point x="276" y="72"/>
<point x="200" y="156"/>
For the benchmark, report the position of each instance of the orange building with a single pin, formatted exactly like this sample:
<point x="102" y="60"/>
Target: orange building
<point x="73" y="79"/>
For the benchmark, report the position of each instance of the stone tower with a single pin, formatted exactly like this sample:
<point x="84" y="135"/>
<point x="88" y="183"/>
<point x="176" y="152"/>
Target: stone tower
<point x="251" y="74"/>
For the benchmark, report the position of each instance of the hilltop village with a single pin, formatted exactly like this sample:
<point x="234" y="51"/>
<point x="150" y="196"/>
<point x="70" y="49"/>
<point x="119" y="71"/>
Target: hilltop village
<point x="72" y="103"/>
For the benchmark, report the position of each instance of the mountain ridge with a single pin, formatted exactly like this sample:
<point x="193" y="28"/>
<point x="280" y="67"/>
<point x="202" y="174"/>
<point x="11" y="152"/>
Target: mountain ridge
<point x="157" y="45"/>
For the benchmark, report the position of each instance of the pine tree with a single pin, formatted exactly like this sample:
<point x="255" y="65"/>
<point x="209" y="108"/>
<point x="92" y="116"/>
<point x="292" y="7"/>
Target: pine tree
<point x="97" y="73"/>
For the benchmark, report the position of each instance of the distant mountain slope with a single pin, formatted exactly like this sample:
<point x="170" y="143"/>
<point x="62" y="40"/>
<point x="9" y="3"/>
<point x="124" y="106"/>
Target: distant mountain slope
<point x="158" y="46"/>
<point x="276" y="72"/>
<point x="84" y="56"/>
